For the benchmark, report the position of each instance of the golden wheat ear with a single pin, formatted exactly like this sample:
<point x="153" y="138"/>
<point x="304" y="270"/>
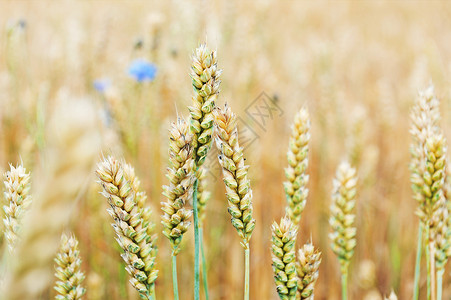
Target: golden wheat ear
<point x="176" y="215"/>
<point x="68" y="270"/>
<point x="307" y="269"/>
<point x="205" y="80"/>
<point x="234" y="171"/>
<point x="131" y="223"/>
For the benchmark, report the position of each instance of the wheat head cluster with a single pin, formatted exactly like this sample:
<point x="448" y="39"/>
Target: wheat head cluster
<point x="224" y="165"/>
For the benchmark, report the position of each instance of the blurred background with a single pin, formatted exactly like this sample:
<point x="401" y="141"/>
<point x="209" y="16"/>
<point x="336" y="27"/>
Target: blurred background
<point x="356" y="65"/>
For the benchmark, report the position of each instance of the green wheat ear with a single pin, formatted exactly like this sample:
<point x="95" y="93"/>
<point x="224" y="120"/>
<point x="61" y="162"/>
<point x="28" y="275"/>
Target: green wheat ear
<point x="296" y="191"/>
<point x="284" y="258"/>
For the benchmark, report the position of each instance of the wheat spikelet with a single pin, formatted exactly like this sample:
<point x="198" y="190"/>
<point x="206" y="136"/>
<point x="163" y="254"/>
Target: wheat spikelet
<point x="202" y="194"/>
<point x="71" y="148"/>
<point x="284" y="258"/>
<point x="205" y="79"/>
<point x="131" y="222"/>
<point x="238" y="190"/>
<point x="18" y="199"/>
<point x="176" y="215"/>
<point x="342" y="214"/>
<point x="295" y="186"/>
<point x="68" y="270"/>
<point x="307" y="266"/>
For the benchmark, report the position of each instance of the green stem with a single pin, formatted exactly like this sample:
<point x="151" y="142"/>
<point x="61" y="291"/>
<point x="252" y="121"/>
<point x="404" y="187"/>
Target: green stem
<point x="432" y="262"/>
<point x="204" y="263"/>
<point x="196" y="243"/>
<point x="428" y="264"/>
<point x="174" y="277"/>
<point x="152" y="292"/>
<point x="344" y="286"/>
<point x="246" y="274"/>
<point x="416" y="282"/>
<point x="440" y="283"/>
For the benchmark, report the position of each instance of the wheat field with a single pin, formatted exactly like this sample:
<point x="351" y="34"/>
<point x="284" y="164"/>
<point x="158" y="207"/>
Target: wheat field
<point x="73" y="93"/>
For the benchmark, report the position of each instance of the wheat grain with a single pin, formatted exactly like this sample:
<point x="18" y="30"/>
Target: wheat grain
<point x="297" y="179"/>
<point x="120" y="187"/>
<point x="203" y="195"/>
<point x="307" y="266"/>
<point x="284" y="258"/>
<point x="18" y="199"/>
<point x="176" y="215"/>
<point x="68" y="270"/>
<point x="238" y="189"/>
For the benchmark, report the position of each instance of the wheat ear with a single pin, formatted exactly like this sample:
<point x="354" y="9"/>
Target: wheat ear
<point x="231" y="159"/>
<point x="425" y="117"/>
<point x="205" y="80"/>
<point x="307" y="269"/>
<point x="176" y="215"/>
<point x="342" y="219"/>
<point x="434" y="205"/>
<point x="68" y="270"/>
<point x="18" y="199"/>
<point x="284" y="258"/>
<point x="234" y="171"/>
<point x="131" y="223"/>
<point x="295" y="187"/>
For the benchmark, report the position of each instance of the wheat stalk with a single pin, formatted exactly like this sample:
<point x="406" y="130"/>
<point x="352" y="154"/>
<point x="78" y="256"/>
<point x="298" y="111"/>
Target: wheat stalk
<point x="284" y="258"/>
<point x="307" y="266"/>
<point x="68" y="270"/>
<point x="342" y="219"/>
<point x="434" y="206"/>
<point x="297" y="179"/>
<point x="205" y="80"/>
<point x="131" y="223"/>
<point x="425" y="117"/>
<point x="234" y="171"/>
<point x="176" y="215"/>
<point x="18" y="199"/>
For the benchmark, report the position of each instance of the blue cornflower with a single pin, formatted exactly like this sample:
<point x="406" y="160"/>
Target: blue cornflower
<point x="101" y="84"/>
<point x="142" y="70"/>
